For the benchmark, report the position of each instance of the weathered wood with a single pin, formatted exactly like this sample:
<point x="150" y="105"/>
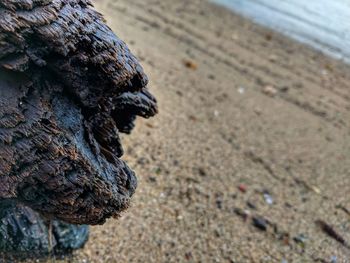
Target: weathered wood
<point x="24" y="233"/>
<point x="68" y="86"/>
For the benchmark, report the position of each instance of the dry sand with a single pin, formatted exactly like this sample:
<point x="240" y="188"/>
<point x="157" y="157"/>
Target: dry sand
<point x="239" y="106"/>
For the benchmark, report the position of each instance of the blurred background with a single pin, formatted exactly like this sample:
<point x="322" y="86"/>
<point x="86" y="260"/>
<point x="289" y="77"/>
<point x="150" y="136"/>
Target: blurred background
<point x="248" y="160"/>
<point x="322" y="24"/>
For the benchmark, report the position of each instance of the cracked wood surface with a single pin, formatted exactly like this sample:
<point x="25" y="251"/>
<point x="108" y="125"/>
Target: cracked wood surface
<point x="68" y="86"/>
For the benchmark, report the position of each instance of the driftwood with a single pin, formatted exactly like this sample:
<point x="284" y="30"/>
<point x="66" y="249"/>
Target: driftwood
<point x="68" y="86"/>
<point x="24" y="233"/>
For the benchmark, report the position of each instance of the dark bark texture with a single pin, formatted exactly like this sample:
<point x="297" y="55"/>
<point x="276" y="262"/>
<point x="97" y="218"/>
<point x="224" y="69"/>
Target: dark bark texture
<point x="24" y="233"/>
<point x="68" y="86"/>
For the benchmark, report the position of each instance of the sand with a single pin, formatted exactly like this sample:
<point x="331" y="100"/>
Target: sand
<point x="244" y="112"/>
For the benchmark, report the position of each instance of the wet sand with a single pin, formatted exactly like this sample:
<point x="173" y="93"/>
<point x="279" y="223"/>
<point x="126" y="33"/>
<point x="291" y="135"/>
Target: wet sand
<point x="251" y="124"/>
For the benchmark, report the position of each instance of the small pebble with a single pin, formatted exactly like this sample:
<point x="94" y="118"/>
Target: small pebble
<point x="219" y="203"/>
<point x="152" y="179"/>
<point x="244" y="214"/>
<point x="270" y="90"/>
<point x="268" y="199"/>
<point x="334" y="259"/>
<point x="190" y="64"/>
<point x="300" y="239"/>
<point x="251" y="205"/>
<point x="315" y="189"/>
<point x="260" y="223"/>
<point x="241" y="90"/>
<point x="202" y="172"/>
<point x="242" y="188"/>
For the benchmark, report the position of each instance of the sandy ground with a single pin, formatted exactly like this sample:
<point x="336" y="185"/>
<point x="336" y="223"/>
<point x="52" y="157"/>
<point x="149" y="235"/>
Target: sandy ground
<point x="251" y="124"/>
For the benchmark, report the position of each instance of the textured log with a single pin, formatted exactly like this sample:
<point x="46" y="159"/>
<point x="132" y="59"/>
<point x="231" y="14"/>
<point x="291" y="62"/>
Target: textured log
<point x="25" y="233"/>
<point x="68" y="86"/>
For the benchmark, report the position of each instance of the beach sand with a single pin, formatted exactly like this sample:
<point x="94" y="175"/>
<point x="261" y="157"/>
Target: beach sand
<point x="251" y="124"/>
